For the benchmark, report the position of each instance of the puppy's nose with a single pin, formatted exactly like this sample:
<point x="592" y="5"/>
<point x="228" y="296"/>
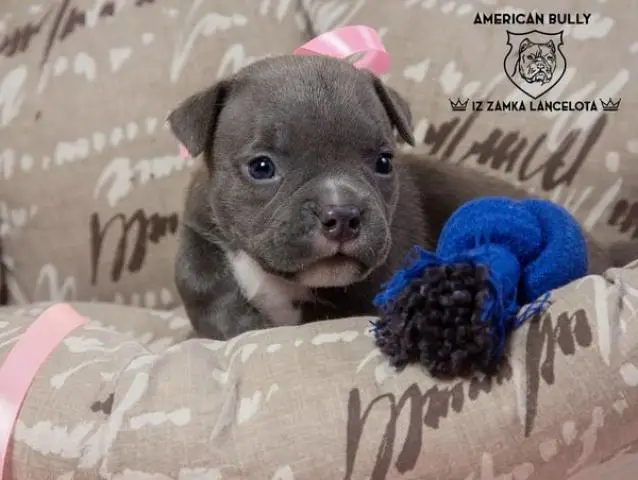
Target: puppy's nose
<point x="340" y="223"/>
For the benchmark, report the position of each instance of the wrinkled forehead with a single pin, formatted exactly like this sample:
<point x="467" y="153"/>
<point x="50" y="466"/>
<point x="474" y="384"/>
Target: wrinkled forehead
<point x="310" y="86"/>
<point x="340" y="106"/>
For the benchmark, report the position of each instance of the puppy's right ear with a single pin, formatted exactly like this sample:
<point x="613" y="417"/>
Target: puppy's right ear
<point x="193" y="121"/>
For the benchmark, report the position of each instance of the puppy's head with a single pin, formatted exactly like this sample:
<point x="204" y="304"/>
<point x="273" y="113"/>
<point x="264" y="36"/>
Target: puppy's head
<point x="537" y="61"/>
<point x="300" y="156"/>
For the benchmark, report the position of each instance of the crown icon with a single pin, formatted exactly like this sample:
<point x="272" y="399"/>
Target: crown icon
<point x="458" y="106"/>
<point x="610" y="105"/>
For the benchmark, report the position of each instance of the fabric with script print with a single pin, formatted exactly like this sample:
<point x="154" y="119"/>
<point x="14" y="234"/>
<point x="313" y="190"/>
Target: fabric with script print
<point x="130" y="396"/>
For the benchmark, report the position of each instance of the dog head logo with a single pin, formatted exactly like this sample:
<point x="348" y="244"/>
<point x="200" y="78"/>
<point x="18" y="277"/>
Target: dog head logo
<point x="535" y="62"/>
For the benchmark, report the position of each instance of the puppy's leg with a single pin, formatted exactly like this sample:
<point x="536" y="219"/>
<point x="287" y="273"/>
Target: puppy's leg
<point x="213" y="301"/>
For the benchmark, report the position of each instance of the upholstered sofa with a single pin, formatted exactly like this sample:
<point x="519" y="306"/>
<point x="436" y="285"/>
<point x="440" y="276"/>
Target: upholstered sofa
<point x="91" y="187"/>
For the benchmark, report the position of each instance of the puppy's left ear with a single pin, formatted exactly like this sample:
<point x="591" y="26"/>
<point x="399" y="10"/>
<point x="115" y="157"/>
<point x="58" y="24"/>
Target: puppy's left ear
<point x="397" y="109"/>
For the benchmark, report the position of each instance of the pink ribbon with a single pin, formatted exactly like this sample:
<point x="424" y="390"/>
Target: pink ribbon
<point x="342" y="43"/>
<point x="351" y="40"/>
<point x="23" y="363"/>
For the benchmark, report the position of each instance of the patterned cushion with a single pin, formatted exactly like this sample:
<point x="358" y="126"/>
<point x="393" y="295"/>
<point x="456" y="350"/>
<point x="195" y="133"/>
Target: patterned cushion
<point x="129" y="396"/>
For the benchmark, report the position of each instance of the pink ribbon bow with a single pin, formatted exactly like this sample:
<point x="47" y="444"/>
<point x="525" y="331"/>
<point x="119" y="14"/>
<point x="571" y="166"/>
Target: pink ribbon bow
<point x="351" y="40"/>
<point x="342" y="43"/>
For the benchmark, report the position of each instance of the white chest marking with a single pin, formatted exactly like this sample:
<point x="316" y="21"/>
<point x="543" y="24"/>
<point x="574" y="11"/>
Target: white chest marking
<point x="272" y="295"/>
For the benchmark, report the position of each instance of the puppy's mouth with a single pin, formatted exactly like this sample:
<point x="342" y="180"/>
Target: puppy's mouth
<point x="338" y="270"/>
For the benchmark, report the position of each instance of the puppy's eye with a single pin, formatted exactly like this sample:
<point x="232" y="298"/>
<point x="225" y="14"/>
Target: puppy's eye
<point x="262" y="168"/>
<point x="383" y="164"/>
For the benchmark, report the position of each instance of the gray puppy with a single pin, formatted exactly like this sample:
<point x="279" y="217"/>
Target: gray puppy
<point x="302" y="208"/>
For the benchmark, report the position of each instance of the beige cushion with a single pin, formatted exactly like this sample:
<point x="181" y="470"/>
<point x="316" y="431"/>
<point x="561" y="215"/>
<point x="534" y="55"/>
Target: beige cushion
<point x="126" y="397"/>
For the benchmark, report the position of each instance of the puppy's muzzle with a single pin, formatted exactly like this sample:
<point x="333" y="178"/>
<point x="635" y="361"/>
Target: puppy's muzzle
<point x="350" y="233"/>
